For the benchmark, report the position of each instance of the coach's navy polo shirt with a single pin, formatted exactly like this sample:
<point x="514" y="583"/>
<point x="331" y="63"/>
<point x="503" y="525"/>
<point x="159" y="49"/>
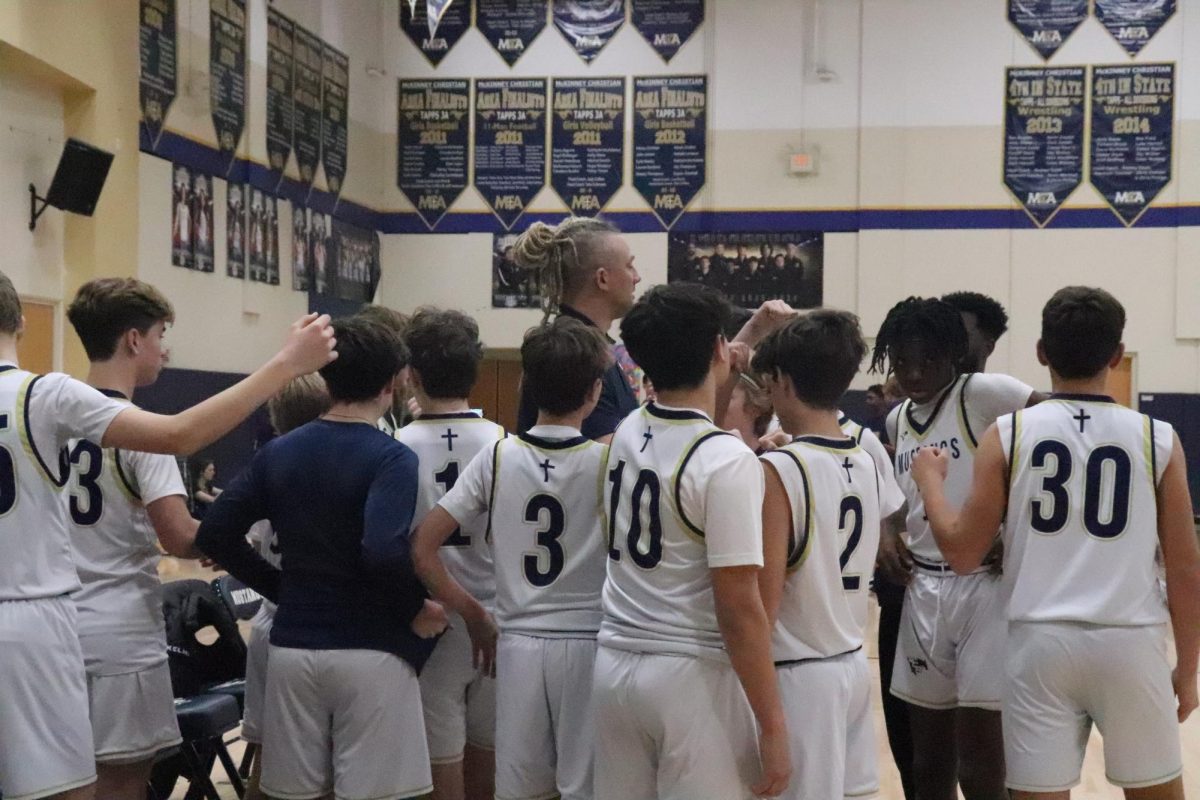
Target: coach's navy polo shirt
<point x="340" y="497"/>
<point x="616" y="398"/>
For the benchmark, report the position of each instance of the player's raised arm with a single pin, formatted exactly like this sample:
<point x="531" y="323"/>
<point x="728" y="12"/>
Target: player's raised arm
<point x="964" y="537"/>
<point x="1181" y="557"/>
<point x="309" y="346"/>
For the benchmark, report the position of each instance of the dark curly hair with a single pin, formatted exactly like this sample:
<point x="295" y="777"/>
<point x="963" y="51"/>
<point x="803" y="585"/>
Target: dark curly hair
<point x="991" y="316"/>
<point x="933" y="322"/>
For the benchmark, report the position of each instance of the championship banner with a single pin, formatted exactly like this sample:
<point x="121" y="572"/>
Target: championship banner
<point x="588" y="24"/>
<point x="306" y="104"/>
<point x="587" y="141"/>
<point x="281" y="34"/>
<point x="435" y="37"/>
<point x="1133" y="23"/>
<point x="510" y="144"/>
<point x="1133" y="109"/>
<point x="668" y="24"/>
<point x="752" y="268"/>
<point x="335" y="118"/>
<point x="235" y="230"/>
<point x="1043" y="137"/>
<point x="157" y="39"/>
<point x="510" y="26"/>
<point x="670" y="142"/>
<point x="202" y="221"/>
<point x="432" y="140"/>
<point x="1046" y="24"/>
<point x="183" y="251"/>
<point x="227" y="74"/>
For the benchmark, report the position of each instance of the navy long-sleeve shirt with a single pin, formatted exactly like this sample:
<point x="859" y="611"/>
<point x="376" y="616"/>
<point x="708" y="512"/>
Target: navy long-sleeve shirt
<point x="340" y="497"/>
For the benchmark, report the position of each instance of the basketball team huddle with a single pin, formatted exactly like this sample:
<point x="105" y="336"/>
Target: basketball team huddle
<point x="620" y="601"/>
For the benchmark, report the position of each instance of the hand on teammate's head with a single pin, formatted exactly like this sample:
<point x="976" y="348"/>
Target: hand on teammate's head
<point x="309" y="346"/>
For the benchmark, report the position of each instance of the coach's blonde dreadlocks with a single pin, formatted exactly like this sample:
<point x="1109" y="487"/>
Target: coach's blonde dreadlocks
<point x="563" y="255"/>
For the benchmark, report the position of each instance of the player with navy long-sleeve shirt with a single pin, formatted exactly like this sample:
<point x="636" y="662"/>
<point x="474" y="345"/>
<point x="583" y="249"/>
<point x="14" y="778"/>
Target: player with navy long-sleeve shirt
<point x="339" y="495"/>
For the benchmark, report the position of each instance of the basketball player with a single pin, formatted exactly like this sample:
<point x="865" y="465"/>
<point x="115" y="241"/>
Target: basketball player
<point x="821" y="517"/>
<point x="46" y="745"/>
<point x="985" y="321"/>
<point x="584" y="269"/>
<point x="1087" y="492"/>
<point x="685" y="640"/>
<point x="121" y="506"/>
<point x="398" y="415"/>
<point x="298" y="403"/>
<point x="458" y="697"/>
<point x="950" y="649"/>
<point x="346" y="595"/>
<point x="541" y="493"/>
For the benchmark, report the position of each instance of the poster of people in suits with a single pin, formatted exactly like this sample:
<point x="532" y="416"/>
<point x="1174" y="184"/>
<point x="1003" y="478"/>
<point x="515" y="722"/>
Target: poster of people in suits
<point x="751" y="268"/>
<point x="182" y="254"/>
<point x="235" y="230"/>
<point x="513" y="286"/>
<point x="202" y="221"/>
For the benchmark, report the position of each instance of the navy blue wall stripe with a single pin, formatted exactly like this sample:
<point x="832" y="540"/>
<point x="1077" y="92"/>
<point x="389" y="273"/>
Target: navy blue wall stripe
<point x="196" y="155"/>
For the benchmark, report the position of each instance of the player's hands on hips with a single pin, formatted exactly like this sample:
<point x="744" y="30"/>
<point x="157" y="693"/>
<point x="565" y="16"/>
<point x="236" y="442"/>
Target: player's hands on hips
<point x="484" y="633"/>
<point x="775" y="752"/>
<point x="894" y="559"/>
<point x="309" y="345"/>
<point x="930" y="464"/>
<point x="431" y="620"/>
<point x="1185" y="691"/>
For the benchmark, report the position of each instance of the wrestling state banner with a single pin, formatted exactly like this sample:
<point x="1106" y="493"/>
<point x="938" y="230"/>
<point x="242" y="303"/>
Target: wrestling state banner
<point x="1043" y="137"/>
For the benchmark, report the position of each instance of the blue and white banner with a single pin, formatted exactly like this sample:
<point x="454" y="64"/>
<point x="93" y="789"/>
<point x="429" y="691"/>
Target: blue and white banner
<point x="435" y="35"/>
<point x="1133" y="23"/>
<point x="157" y="47"/>
<point x="306" y="104"/>
<point x="227" y="74"/>
<point x="510" y="144"/>
<point x="281" y="71"/>
<point x="589" y="24"/>
<point x="431" y="155"/>
<point x="335" y="117"/>
<point x="1043" y="136"/>
<point x="670" y="141"/>
<point x="1046" y="24"/>
<point x="668" y="24"/>
<point x="510" y="26"/>
<point x="587" y="141"/>
<point x="1133" y="111"/>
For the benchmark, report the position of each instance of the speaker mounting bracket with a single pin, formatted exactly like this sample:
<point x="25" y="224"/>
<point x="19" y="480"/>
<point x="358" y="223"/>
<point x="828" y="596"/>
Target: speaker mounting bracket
<point x="34" y="210"/>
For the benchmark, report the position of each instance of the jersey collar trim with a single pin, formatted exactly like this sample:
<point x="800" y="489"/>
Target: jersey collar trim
<point x="113" y="393"/>
<point x="450" y="415"/>
<point x="7" y="367"/>
<point x="552" y="444"/>
<point x="1084" y="398"/>
<point x="829" y="442"/>
<point x="922" y="428"/>
<point x="656" y="410"/>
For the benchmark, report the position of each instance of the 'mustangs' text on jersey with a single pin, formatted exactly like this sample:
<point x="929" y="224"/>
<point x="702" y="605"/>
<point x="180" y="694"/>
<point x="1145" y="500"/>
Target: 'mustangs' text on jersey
<point x="953" y="421"/>
<point x="1081" y="534"/>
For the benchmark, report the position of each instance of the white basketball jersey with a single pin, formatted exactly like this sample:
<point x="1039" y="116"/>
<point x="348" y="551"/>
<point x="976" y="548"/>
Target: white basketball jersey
<point x="115" y="545"/>
<point x="953" y="421"/>
<point x="682" y="497"/>
<point x="542" y="490"/>
<point x="266" y="542"/>
<point x="1081" y="532"/>
<point x="445" y="444"/>
<point x="890" y="496"/>
<point x="38" y="414"/>
<point x="834" y="490"/>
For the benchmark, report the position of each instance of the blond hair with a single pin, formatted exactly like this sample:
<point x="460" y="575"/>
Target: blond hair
<point x="299" y="402"/>
<point x="564" y="256"/>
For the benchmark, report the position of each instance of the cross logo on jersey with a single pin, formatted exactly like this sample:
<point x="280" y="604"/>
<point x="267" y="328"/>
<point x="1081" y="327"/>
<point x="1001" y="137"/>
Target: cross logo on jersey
<point x="1082" y="417"/>
<point x="449" y="436"/>
<point x="546" y="466"/>
<point x="647" y="436"/>
<point x="846" y="465"/>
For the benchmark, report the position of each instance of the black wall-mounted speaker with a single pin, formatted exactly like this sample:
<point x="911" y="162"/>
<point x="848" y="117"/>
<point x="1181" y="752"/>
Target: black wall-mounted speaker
<point x="82" y="170"/>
